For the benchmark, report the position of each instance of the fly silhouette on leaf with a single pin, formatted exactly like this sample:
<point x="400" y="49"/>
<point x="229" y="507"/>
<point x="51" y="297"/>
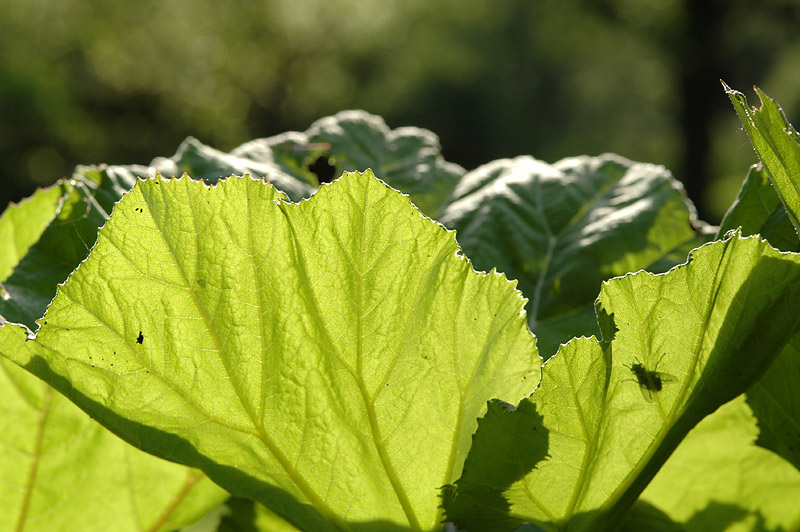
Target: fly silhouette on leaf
<point x="650" y="381"/>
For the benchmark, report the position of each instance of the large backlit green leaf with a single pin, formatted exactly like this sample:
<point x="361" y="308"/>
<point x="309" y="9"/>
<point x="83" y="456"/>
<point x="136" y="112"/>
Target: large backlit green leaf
<point x="562" y="229"/>
<point x="329" y="359"/>
<point x="676" y="347"/>
<point x="718" y="479"/>
<point x="777" y="144"/>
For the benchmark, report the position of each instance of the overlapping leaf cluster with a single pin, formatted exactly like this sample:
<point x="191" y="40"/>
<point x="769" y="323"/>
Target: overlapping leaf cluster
<point x="340" y="360"/>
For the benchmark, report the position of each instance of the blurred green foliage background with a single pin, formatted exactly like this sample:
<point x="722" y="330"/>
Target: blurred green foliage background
<point x="90" y="81"/>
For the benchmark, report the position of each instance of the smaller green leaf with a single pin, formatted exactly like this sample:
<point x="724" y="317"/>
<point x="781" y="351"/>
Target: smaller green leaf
<point x="22" y="224"/>
<point x="758" y="210"/>
<point x="675" y="347"/>
<point x="718" y="479"/>
<point x="777" y="144"/>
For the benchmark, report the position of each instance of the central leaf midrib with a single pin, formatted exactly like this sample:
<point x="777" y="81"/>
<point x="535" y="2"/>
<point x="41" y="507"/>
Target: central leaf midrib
<point x="262" y="336"/>
<point x="357" y="377"/>
<point x="355" y="374"/>
<point x="369" y="403"/>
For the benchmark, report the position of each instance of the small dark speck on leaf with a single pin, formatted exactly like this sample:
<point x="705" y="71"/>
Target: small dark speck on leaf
<point x="140" y="339"/>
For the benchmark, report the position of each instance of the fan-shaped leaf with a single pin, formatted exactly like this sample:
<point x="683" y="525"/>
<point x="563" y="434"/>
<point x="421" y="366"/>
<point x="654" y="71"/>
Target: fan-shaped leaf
<point x="329" y="359"/>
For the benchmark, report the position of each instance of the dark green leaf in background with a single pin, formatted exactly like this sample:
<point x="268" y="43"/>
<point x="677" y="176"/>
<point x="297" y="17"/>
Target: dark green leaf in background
<point x="562" y="229"/>
<point x="209" y="164"/>
<point x="407" y="158"/>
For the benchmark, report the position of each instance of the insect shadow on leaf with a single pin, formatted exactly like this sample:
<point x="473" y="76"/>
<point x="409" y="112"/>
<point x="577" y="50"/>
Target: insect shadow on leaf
<point x="650" y="381"/>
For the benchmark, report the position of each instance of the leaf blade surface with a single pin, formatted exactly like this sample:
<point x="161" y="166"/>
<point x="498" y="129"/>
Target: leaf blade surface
<point x="336" y="353"/>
